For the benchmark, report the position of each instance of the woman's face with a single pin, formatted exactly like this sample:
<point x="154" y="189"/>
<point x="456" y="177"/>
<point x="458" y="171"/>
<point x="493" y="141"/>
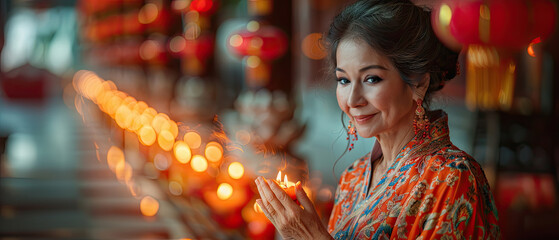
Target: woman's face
<point x="370" y="90"/>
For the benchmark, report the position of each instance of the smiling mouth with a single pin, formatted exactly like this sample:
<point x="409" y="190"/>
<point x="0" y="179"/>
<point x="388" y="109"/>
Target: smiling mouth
<point x="363" y="118"/>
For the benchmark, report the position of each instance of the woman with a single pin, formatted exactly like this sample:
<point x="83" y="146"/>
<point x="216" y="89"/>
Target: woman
<point x="414" y="184"/>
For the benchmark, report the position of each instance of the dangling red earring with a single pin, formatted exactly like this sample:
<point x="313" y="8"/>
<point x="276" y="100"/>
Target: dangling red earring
<point x="351" y="132"/>
<point x="421" y="122"/>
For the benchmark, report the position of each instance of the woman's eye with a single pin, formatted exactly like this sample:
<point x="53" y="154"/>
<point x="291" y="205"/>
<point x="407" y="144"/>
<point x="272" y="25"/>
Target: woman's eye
<point x="343" y="81"/>
<point x="373" y="79"/>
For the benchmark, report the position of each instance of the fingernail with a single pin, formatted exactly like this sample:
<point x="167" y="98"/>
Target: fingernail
<point x="298" y="185"/>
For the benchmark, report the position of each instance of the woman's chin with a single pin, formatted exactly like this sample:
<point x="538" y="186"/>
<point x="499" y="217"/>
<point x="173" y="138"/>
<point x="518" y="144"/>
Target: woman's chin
<point x="366" y="134"/>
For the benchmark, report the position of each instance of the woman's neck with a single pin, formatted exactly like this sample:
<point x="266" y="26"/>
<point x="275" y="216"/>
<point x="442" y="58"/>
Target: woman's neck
<point x="391" y="143"/>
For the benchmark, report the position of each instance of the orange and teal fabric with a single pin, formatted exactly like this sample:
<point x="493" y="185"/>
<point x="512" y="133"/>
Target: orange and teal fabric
<point x="433" y="190"/>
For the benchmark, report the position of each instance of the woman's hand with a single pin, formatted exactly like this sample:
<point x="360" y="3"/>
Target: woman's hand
<point x="292" y="221"/>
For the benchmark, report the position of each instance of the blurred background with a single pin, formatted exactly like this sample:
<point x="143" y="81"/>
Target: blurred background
<point x="150" y="119"/>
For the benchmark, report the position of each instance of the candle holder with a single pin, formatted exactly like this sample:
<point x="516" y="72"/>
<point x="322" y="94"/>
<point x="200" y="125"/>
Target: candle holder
<point x="287" y="186"/>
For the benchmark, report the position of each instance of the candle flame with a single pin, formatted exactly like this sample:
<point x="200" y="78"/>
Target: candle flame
<point x="285" y="183"/>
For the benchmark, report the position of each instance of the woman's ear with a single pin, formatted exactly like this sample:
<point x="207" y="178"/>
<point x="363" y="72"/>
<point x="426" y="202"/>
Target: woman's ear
<point x="422" y="86"/>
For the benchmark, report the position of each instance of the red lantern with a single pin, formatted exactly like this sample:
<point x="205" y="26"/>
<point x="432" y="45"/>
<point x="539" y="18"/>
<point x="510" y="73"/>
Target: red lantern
<point x="259" y="45"/>
<point x="201" y="48"/>
<point x="491" y="30"/>
<point x="203" y="6"/>
<point x="267" y="43"/>
<point x="510" y="24"/>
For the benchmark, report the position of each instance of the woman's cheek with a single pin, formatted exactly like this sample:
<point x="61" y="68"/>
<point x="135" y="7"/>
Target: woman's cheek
<point x="342" y="101"/>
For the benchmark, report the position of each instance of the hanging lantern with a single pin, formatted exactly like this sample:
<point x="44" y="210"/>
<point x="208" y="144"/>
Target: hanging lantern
<point x="267" y="43"/>
<point x="259" y="45"/>
<point x="206" y="7"/>
<point x="491" y="31"/>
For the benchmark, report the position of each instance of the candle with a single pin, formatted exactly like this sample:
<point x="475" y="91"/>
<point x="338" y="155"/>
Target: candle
<point x="287" y="186"/>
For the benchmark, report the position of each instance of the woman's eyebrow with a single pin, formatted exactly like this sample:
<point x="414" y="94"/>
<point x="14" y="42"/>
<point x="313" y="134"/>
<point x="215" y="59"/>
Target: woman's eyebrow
<point x="374" y="66"/>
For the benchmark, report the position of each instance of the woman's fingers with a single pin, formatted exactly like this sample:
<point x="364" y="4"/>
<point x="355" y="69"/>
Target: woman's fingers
<point x="303" y="198"/>
<point x="269" y="200"/>
<point x="265" y="210"/>
<point x="279" y="192"/>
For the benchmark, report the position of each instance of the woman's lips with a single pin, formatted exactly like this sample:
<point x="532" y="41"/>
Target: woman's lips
<point x="363" y="118"/>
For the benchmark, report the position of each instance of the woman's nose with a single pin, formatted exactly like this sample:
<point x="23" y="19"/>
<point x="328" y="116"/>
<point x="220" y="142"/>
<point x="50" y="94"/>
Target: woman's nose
<point x="356" y="98"/>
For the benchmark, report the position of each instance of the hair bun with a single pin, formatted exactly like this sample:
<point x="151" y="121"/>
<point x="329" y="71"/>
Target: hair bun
<point x="448" y="61"/>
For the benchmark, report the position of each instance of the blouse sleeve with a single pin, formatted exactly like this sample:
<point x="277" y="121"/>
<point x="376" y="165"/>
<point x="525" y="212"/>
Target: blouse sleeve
<point x="463" y="206"/>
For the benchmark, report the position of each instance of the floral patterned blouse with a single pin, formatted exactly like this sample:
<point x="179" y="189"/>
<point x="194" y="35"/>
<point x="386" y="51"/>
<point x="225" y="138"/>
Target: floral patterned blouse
<point x="433" y="190"/>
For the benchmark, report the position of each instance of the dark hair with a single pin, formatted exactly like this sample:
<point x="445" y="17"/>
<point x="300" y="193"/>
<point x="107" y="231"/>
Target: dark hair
<point x="401" y="31"/>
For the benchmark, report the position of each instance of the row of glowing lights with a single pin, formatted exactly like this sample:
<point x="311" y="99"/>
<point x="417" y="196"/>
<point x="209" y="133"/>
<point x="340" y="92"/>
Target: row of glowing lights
<point x="150" y="127"/>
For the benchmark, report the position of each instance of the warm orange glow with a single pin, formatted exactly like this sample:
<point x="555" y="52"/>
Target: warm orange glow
<point x="214" y="151"/>
<point x="106" y="87"/>
<point x="236" y="170"/>
<point x="158" y="121"/>
<point x="180" y="5"/>
<point x="78" y="104"/>
<point x="129" y="102"/>
<point x="530" y="48"/>
<point x="133" y="188"/>
<point x="103" y="100"/>
<point x="166" y="140"/>
<point x="224" y="191"/>
<point x="177" y="44"/>
<point x="140" y="107"/>
<point x="113" y="104"/>
<point x="122" y="116"/>
<point x="147" y="135"/>
<point x="149" y="206"/>
<point x="150" y="111"/>
<point x="193" y="139"/>
<point x="129" y="121"/>
<point x="199" y="163"/>
<point x="123" y="171"/>
<point x="140" y="121"/>
<point x="182" y="152"/>
<point x="114" y="157"/>
<point x="257" y="208"/>
<point x="288" y="186"/>
<point x="148" y="13"/>
<point x="312" y="47"/>
<point x="253" y="61"/>
<point x="149" y="49"/>
<point x="170" y="126"/>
